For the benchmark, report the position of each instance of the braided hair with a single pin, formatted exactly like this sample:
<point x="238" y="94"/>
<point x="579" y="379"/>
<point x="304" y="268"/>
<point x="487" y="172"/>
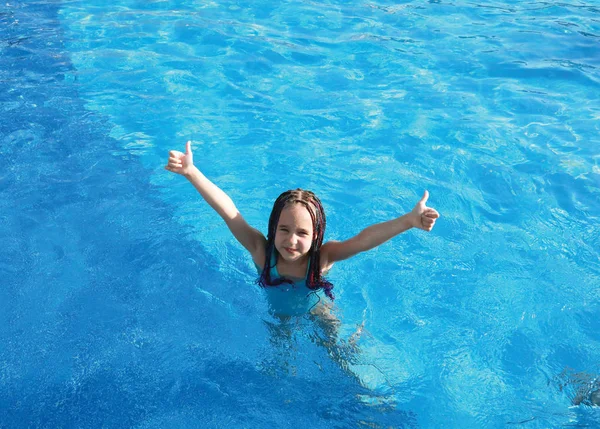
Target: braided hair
<point x="314" y="279"/>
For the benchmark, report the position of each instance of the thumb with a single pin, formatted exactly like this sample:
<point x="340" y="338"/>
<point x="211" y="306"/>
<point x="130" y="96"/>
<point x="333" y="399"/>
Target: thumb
<point x="188" y="147"/>
<point x="424" y="198"/>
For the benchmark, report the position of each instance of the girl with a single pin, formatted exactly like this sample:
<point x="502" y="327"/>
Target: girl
<point x="292" y="260"/>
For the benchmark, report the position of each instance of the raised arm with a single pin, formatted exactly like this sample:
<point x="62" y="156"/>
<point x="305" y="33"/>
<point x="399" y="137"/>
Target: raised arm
<point x="421" y="217"/>
<point x="183" y="163"/>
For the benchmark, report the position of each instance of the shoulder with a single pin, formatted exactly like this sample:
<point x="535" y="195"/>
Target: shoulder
<point x="259" y="255"/>
<point x="325" y="259"/>
<point x="334" y="251"/>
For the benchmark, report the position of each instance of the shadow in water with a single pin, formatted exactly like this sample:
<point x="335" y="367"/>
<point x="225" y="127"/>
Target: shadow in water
<point x="582" y="388"/>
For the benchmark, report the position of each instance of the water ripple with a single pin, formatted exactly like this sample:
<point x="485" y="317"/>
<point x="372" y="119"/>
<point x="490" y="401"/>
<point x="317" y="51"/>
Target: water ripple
<point x="491" y="106"/>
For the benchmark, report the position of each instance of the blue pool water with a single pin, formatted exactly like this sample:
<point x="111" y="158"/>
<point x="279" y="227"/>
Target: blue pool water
<point x="125" y="302"/>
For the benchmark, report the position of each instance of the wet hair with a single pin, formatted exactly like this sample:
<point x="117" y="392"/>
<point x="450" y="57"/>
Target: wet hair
<point x="314" y="280"/>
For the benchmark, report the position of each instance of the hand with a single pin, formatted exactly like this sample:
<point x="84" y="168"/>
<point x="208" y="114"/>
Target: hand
<point x="181" y="163"/>
<point x="424" y="217"/>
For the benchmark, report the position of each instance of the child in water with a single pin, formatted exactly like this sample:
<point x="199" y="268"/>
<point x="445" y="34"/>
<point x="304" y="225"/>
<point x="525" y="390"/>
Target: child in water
<point x="292" y="260"/>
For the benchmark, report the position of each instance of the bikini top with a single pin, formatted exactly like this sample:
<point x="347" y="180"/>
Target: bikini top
<point x="288" y="299"/>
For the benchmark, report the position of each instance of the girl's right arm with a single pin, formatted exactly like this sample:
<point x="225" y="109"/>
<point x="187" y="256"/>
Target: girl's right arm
<point x="253" y="240"/>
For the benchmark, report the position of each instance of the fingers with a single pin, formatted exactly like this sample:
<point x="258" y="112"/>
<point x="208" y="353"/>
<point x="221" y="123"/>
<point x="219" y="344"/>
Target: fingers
<point x="428" y="221"/>
<point x="431" y="213"/>
<point x="424" y="198"/>
<point x="174" y="164"/>
<point x="176" y="158"/>
<point x="173" y="167"/>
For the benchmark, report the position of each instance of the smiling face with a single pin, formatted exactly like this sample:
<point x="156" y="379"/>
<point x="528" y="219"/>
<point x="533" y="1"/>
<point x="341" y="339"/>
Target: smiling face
<point x="294" y="234"/>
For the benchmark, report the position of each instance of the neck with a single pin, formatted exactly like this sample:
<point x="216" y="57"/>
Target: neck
<point x="295" y="268"/>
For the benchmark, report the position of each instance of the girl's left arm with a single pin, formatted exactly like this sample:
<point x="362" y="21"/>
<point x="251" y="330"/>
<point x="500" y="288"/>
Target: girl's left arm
<point x="421" y="217"/>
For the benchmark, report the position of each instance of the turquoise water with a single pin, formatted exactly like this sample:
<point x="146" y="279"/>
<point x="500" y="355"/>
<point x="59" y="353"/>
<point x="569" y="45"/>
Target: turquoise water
<point x="126" y="302"/>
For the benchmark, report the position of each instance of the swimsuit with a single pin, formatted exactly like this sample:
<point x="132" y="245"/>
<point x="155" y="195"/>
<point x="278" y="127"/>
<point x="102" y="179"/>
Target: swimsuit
<point x="289" y="299"/>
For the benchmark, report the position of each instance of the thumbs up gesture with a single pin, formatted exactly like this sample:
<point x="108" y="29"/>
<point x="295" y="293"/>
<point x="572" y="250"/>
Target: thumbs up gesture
<point x="179" y="162"/>
<point x="424" y="217"/>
